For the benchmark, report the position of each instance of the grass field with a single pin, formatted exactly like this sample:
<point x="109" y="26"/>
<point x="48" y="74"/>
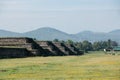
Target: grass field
<point x="92" y="66"/>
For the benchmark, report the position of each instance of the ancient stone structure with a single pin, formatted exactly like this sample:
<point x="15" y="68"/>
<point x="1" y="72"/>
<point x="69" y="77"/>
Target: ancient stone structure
<point x="23" y="46"/>
<point x="13" y="52"/>
<point x="49" y="46"/>
<point x="74" y="49"/>
<point x="64" y="48"/>
<point x="23" y="42"/>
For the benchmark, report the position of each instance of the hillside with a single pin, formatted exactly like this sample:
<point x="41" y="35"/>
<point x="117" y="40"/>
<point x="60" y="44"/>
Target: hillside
<point x="115" y="31"/>
<point x="4" y="33"/>
<point x="48" y="33"/>
<point x="91" y="36"/>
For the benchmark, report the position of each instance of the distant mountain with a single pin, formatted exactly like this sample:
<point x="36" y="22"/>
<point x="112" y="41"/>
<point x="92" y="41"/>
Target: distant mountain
<point x="5" y="33"/>
<point x="48" y="33"/>
<point x="92" y="36"/>
<point x="97" y="36"/>
<point x="115" y="32"/>
<point x="114" y="35"/>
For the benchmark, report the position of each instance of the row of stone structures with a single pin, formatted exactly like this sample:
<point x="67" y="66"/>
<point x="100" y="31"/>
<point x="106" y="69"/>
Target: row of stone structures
<point x="23" y="47"/>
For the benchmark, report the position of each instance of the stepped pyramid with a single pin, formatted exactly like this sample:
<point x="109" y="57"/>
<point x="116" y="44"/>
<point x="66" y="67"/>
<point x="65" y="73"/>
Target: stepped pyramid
<point x="49" y="46"/>
<point x="64" y="48"/>
<point x="74" y="49"/>
<point x="23" y="42"/>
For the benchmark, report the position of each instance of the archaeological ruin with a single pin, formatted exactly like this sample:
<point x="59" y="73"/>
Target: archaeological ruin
<point x="24" y="47"/>
<point x="49" y="46"/>
<point x="64" y="48"/>
<point x="23" y="42"/>
<point x="74" y="49"/>
<point x="13" y="52"/>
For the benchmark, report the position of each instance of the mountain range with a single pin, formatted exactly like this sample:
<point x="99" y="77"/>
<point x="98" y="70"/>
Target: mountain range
<point x="48" y="33"/>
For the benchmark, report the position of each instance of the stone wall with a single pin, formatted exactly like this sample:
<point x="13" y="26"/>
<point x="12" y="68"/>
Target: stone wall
<point x="13" y="52"/>
<point x="49" y="46"/>
<point x="20" y="42"/>
<point x="28" y="46"/>
<point x="23" y="42"/>
<point x="15" y="40"/>
<point x="22" y="47"/>
<point x="63" y="48"/>
<point x="74" y="49"/>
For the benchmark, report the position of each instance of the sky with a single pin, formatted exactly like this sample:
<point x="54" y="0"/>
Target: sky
<point x="70" y="16"/>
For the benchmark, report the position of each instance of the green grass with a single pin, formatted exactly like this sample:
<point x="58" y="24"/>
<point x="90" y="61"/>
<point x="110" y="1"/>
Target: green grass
<point x="92" y="66"/>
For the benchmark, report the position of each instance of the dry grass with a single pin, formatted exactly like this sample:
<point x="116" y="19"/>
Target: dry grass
<point x="94" y="66"/>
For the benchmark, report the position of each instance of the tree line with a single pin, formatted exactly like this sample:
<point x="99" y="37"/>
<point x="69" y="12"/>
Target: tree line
<point x="89" y="46"/>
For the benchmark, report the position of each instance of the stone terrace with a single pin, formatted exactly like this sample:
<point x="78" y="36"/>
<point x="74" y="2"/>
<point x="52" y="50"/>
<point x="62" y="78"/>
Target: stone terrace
<point x="13" y="46"/>
<point x="23" y="42"/>
<point x="74" y="49"/>
<point x="48" y="45"/>
<point x="13" y="52"/>
<point x="63" y="48"/>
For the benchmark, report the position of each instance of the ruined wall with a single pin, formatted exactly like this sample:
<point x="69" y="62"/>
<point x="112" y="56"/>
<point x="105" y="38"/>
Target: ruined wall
<point x="20" y="46"/>
<point x="49" y="46"/>
<point x="22" y="42"/>
<point x="13" y="52"/>
<point x="15" y="40"/>
<point x="28" y="46"/>
<point x="63" y="48"/>
<point x="74" y="49"/>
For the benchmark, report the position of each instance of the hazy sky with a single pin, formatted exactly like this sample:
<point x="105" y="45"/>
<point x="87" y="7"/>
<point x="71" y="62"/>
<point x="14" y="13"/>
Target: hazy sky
<point x="71" y="16"/>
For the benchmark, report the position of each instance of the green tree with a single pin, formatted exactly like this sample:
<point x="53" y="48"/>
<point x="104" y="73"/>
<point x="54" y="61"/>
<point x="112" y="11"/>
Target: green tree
<point x="69" y="42"/>
<point x="96" y="46"/>
<point x="104" y="44"/>
<point x="87" y="46"/>
<point x="78" y="45"/>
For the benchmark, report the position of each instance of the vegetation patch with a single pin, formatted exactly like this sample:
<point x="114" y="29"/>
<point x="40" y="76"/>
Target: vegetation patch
<point x="91" y="66"/>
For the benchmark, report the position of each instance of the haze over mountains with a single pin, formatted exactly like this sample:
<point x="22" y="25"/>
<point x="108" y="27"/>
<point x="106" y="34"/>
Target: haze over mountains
<point x="48" y="33"/>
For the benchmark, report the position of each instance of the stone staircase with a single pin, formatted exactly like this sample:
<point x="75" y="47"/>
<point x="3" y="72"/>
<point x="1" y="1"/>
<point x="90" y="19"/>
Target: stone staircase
<point x="63" y="48"/>
<point x="48" y="45"/>
<point x="74" y="49"/>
